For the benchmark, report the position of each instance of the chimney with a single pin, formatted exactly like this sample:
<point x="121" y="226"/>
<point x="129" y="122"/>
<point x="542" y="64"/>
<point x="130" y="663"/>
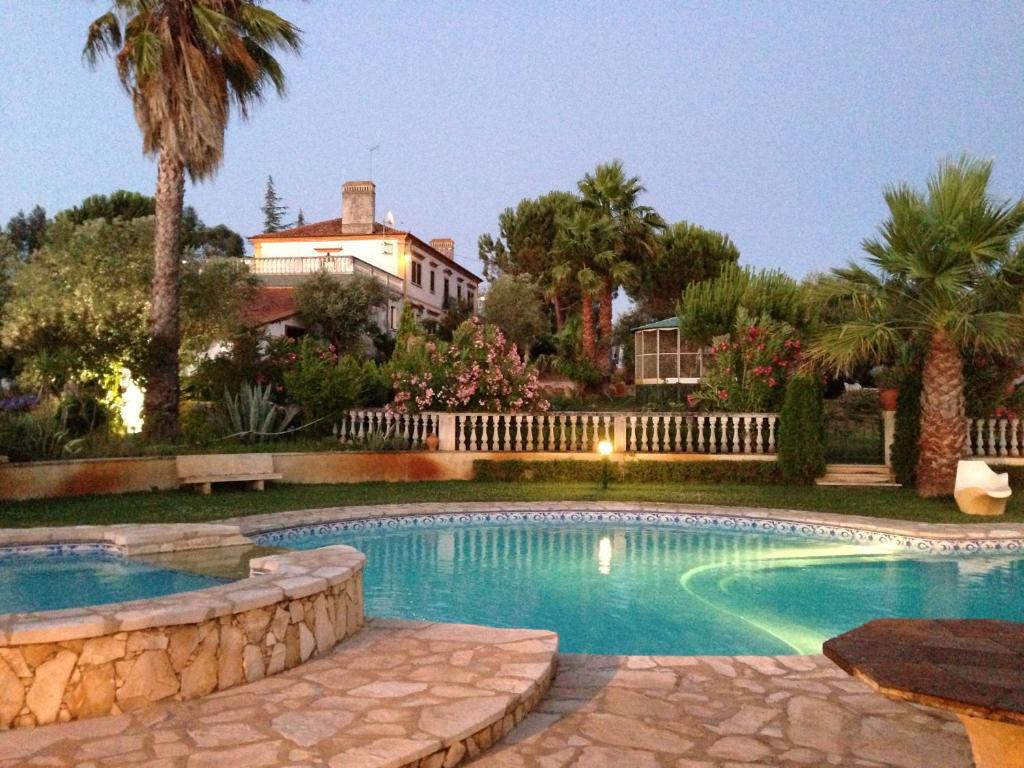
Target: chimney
<point x="358" y="207"/>
<point x="445" y="245"/>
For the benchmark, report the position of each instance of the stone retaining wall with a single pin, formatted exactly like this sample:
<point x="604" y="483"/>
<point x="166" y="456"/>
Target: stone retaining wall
<point x="66" y="665"/>
<point x="53" y="479"/>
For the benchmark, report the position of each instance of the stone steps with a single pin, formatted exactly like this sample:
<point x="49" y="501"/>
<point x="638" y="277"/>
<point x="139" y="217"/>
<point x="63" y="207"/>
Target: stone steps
<point x="858" y="475"/>
<point x="398" y="694"/>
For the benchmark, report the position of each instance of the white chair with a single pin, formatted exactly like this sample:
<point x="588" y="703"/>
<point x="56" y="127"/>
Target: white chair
<point x="979" y="490"/>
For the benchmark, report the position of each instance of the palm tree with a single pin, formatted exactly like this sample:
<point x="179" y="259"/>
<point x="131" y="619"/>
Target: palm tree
<point x="185" y="64"/>
<point x="584" y="243"/>
<point x="608" y="192"/>
<point x="939" y="257"/>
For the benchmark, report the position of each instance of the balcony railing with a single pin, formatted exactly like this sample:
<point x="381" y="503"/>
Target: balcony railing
<point x="296" y="266"/>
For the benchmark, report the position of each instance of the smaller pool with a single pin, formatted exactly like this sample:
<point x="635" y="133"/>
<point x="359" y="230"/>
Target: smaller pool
<point x="45" y="582"/>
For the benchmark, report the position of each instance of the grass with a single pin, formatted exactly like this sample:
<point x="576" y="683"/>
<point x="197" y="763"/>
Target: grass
<point x="184" y="506"/>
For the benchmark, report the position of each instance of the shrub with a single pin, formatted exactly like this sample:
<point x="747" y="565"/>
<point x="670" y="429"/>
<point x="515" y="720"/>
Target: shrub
<point x="201" y="422"/>
<point x="569" y="470"/>
<point x="802" y="430"/>
<point x="82" y="413"/>
<point x="322" y="384"/>
<point x="34" y="436"/>
<point x="905" y="441"/>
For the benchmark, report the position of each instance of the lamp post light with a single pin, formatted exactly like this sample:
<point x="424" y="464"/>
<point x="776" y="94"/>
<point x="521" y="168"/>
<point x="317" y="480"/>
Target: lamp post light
<point x="605" y="448"/>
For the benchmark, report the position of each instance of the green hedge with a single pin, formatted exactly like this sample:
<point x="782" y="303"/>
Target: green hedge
<point x="908" y="431"/>
<point x="802" y="430"/>
<point x="565" y="470"/>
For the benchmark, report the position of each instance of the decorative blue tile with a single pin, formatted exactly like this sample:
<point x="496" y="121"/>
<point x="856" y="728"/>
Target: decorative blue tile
<point x="790" y="528"/>
<point x="59" y="549"/>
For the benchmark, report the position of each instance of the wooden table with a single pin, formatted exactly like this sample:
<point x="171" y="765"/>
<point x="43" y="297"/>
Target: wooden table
<point x="972" y="667"/>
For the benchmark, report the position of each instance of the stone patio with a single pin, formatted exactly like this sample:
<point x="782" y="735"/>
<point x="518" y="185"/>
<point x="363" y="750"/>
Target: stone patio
<point x="723" y="712"/>
<point x="396" y="694"/>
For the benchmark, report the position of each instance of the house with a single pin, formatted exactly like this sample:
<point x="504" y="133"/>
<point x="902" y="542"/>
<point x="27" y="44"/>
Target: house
<point x="424" y="274"/>
<point x="663" y="356"/>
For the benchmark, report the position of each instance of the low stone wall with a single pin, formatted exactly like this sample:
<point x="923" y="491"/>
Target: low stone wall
<point x="51" y="479"/>
<point x="77" y="663"/>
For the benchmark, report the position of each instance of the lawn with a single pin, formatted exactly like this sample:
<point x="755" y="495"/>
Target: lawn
<point x="183" y="506"/>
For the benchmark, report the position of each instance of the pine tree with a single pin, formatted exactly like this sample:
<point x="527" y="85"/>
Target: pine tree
<point x="274" y="210"/>
<point x="300" y="219"/>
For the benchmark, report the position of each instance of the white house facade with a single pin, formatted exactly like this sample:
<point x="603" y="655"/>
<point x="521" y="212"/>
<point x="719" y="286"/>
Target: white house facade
<point x="423" y="274"/>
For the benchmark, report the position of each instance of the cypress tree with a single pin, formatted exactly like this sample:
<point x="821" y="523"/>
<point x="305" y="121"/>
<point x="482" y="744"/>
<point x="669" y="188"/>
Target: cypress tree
<point x="274" y="210"/>
<point x="802" y="430"/>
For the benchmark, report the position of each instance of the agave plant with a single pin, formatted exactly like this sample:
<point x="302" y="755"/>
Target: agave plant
<point x="254" y="416"/>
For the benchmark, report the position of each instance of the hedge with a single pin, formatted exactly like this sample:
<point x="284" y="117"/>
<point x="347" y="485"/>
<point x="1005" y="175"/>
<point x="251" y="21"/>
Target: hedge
<point x="566" y="470"/>
<point x="907" y="434"/>
<point x="802" y="430"/>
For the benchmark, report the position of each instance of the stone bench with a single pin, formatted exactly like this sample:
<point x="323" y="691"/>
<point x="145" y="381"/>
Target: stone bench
<point x="202" y="471"/>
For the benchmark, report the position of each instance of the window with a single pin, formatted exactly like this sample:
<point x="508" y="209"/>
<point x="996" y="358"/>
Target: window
<point x="458" y="290"/>
<point x="469" y="297"/>
<point x="417" y="273"/>
<point x="433" y="275"/>
<point x="394" y="324"/>
<point x="447" y="289"/>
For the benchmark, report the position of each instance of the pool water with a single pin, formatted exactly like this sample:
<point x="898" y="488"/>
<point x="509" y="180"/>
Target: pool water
<point x="48" y="582"/>
<point x="626" y="589"/>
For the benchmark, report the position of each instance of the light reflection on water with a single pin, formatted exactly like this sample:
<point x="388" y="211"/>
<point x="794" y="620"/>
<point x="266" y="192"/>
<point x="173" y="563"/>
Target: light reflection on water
<point x="613" y="588"/>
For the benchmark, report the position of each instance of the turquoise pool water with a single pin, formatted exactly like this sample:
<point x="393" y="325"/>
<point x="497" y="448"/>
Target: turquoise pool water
<point x="625" y="589"/>
<point x="48" y="582"/>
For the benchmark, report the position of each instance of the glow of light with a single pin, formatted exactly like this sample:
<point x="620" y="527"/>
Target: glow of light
<point x="605" y="447"/>
<point x="131" y="403"/>
<point x="604" y="556"/>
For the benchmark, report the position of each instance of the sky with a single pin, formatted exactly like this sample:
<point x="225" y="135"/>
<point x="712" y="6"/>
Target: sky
<point x="779" y="123"/>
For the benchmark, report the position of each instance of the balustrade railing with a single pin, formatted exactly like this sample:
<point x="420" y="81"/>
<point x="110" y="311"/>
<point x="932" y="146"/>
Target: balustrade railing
<point x="749" y="433"/>
<point x="558" y="432"/>
<point x="995" y="437"/>
<point x="368" y="426"/>
<point x="568" y="431"/>
<point x="290" y="266"/>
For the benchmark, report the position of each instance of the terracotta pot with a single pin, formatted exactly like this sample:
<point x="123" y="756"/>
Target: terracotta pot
<point x="431" y="442"/>
<point x="887" y="397"/>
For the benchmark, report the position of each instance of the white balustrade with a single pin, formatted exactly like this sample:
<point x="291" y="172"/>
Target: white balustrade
<point x="994" y="437"/>
<point x="367" y="425"/>
<point x="567" y="431"/>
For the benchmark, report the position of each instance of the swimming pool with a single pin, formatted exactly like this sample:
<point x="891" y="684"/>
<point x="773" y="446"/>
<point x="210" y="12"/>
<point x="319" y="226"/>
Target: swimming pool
<point x="46" y="582"/>
<point x="625" y="588"/>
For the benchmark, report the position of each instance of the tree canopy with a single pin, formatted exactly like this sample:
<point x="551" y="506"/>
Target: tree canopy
<point x="685" y="254"/>
<point x="513" y="304"/>
<point x="80" y="304"/>
<point x="340" y="311"/>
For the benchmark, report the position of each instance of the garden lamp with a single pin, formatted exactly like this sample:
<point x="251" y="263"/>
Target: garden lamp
<point x="605" y="448"/>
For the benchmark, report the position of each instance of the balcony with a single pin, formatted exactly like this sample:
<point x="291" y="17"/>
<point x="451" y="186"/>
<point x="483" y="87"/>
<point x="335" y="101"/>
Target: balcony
<point x="290" y="270"/>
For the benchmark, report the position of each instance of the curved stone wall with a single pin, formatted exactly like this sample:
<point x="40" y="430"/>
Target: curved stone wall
<point x="83" y="662"/>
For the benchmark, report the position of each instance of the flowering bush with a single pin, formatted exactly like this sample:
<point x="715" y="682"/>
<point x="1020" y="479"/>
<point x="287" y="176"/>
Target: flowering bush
<point x="478" y="371"/>
<point x="989" y="385"/>
<point x="748" y="370"/>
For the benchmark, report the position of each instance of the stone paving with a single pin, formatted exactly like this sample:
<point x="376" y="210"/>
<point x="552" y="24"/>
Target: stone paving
<point x="723" y="712"/>
<point x="396" y="694"/>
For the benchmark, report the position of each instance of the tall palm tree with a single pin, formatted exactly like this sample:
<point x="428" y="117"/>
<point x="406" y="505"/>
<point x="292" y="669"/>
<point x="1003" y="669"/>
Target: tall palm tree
<point x="608" y="192"/>
<point x="185" y="64"/>
<point x="937" y="260"/>
<point x="584" y="243"/>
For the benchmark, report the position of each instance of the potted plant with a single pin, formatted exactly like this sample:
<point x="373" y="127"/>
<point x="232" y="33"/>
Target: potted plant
<point x="888" y="380"/>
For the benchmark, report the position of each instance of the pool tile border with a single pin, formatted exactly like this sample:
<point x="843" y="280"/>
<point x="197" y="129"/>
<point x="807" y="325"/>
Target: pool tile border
<point x="910" y="537"/>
